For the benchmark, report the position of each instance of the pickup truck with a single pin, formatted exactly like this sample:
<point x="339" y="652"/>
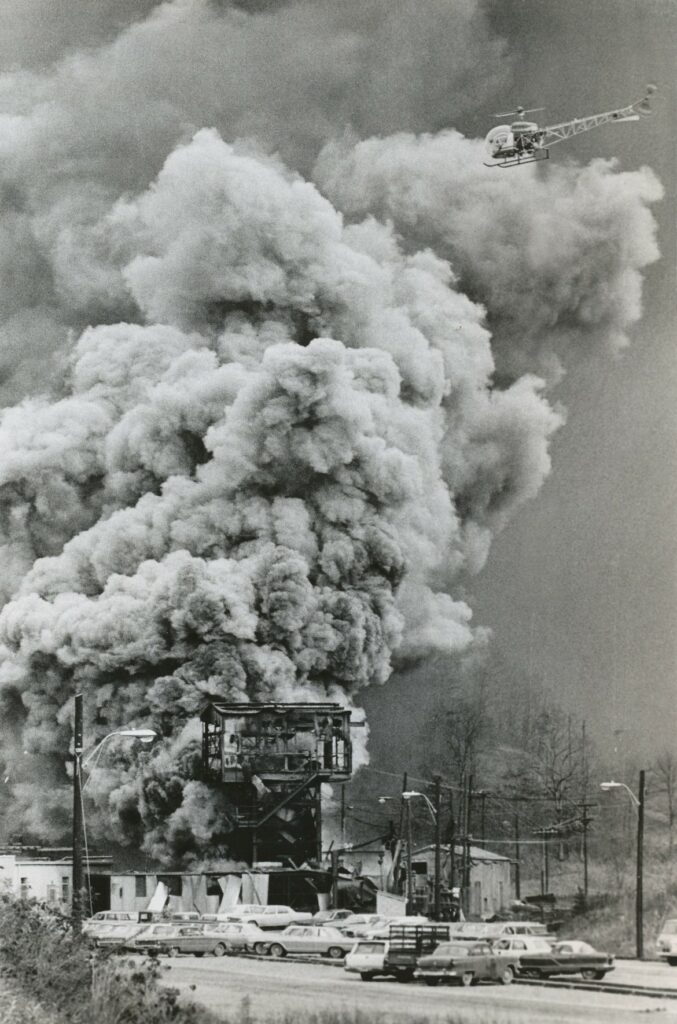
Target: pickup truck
<point x="406" y="943"/>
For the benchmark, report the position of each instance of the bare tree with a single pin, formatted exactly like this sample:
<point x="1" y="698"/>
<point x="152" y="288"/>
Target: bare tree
<point x="664" y="770"/>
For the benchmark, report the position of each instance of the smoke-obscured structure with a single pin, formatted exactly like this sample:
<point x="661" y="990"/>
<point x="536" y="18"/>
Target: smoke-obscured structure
<point x="260" y="425"/>
<point x="271" y="761"/>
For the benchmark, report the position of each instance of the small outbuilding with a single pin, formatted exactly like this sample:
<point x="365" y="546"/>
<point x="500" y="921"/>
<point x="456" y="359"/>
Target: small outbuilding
<point x="491" y="882"/>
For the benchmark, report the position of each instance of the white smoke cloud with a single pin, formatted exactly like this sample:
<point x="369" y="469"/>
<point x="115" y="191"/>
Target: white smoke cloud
<point x="273" y="441"/>
<point x="556" y="260"/>
<point x="94" y="96"/>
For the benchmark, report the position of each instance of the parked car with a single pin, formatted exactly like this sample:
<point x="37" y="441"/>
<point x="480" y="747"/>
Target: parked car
<point x="321" y="941"/>
<point x="666" y="943"/>
<point x="106" y="917"/>
<point x="173" y="939"/>
<point x="357" y="924"/>
<point x="566" y="957"/>
<point x="116" y="933"/>
<point x="367" y="958"/>
<point x="270" y="917"/>
<point x="382" y="930"/>
<point x="239" y="936"/>
<point x="164" y="916"/>
<point x="488" y="931"/>
<point x="332" y="917"/>
<point x="467" y="964"/>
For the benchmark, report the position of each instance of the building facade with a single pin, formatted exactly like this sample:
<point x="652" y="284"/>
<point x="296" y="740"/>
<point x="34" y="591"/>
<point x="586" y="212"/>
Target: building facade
<point x="491" y="885"/>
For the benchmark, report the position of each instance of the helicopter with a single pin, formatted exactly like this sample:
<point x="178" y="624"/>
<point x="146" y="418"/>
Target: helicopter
<point x="523" y="142"/>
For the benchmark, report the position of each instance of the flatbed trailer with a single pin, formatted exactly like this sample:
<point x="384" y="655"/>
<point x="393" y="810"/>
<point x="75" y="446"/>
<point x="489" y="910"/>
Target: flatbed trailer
<point x="406" y="943"/>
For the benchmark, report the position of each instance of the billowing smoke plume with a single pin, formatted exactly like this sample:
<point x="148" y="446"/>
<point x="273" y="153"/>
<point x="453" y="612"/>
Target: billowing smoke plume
<point x="275" y="441"/>
<point x="555" y="261"/>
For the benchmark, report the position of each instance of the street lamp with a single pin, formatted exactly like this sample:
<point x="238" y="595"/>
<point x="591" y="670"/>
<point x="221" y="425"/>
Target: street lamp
<point x="434" y="811"/>
<point x="638" y="801"/>
<point x="608" y="786"/>
<point x="145" y="735"/>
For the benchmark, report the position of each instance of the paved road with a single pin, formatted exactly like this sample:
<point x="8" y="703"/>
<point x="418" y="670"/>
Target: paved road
<point x="635" y="972"/>
<point x="274" y="987"/>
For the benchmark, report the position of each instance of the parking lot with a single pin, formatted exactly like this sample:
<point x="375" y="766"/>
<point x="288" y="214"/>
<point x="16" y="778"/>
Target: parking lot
<point x="276" y="986"/>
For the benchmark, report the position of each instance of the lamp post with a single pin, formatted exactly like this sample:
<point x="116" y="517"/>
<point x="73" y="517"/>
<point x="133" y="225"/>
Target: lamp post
<point x="146" y="736"/>
<point x="437" y="820"/>
<point x="638" y="801"/>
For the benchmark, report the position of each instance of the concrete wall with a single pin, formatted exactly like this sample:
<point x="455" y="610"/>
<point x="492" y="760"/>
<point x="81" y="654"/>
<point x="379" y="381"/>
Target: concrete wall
<point x="186" y="892"/>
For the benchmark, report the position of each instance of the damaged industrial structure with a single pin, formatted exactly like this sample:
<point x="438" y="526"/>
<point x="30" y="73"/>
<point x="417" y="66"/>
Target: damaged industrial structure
<point x="270" y="759"/>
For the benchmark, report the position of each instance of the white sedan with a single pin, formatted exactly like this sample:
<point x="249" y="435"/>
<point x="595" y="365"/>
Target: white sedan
<point x="307" y="939"/>
<point x="382" y="930"/>
<point x="269" y="917"/>
<point x="238" y="935"/>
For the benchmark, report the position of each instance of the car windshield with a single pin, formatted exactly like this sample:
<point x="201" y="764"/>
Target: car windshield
<point x="451" y="949"/>
<point x="539" y="946"/>
<point x="371" y="947"/>
<point x="573" y="947"/>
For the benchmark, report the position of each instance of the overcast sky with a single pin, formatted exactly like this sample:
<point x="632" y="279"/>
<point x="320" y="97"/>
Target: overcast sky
<point x="581" y="587"/>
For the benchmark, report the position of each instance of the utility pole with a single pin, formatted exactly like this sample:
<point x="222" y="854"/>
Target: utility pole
<point x="517" y="856"/>
<point x="77" y="881"/>
<point x="334" y="878"/>
<point x="466" y="848"/>
<point x="410" y="880"/>
<point x="343" y="814"/>
<point x="585" y="821"/>
<point x="483" y="834"/>
<point x="639" y="908"/>
<point x="452" y="844"/>
<point x="400" y="829"/>
<point x="437" y="895"/>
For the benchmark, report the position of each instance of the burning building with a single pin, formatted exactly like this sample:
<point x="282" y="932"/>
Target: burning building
<point x="271" y="760"/>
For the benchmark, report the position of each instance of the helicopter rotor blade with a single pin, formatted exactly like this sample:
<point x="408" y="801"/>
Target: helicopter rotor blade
<point x="511" y="113"/>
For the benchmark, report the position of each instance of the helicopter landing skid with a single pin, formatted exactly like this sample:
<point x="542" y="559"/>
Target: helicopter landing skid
<point x="517" y="161"/>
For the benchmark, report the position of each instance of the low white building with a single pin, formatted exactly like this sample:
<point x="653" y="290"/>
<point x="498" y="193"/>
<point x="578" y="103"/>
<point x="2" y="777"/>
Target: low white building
<point x="491" y="877"/>
<point x="35" y="873"/>
<point x="30" y="878"/>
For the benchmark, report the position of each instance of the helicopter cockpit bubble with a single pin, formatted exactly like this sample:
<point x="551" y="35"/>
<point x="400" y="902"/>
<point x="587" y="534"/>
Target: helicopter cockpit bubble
<point x="499" y="140"/>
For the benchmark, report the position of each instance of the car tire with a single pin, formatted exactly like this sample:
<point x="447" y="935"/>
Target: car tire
<point x="220" y="949"/>
<point x="506" y="976"/>
<point x="404" y="976"/>
<point x="198" y="954"/>
<point x="367" y="976"/>
<point x="277" y="950"/>
<point x="467" y="978"/>
<point x="432" y="981"/>
<point x="173" y="951"/>
<point x="335" y="952"/>
<point x="672" y="960"/>
<point x="260" y="948"/>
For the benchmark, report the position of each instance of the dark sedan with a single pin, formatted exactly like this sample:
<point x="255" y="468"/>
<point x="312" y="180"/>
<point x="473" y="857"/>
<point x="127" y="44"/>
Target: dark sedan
<point x="567" y="957"/>
<point x="173" y="939"/>
<point x="467" y="964"/>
